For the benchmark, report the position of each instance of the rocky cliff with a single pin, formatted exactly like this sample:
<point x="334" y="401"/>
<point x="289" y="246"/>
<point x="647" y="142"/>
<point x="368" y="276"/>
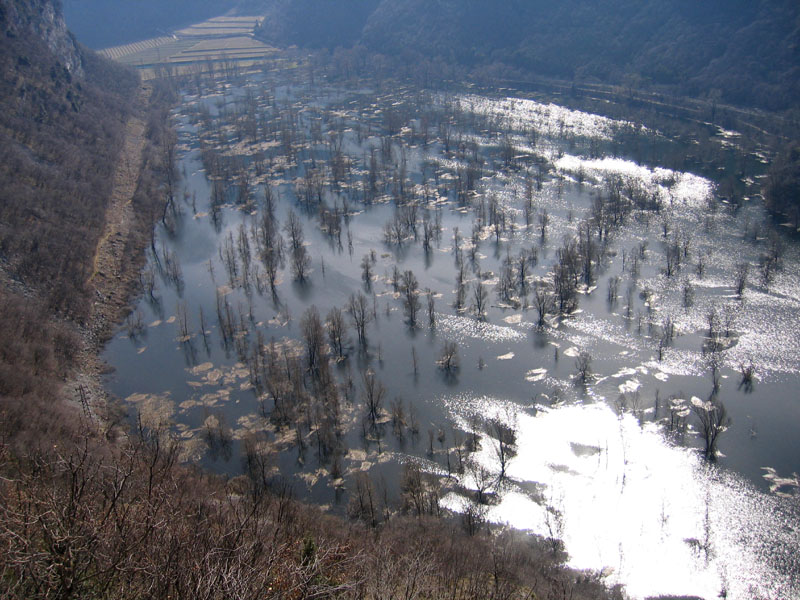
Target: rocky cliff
<point x="43" y="19"/>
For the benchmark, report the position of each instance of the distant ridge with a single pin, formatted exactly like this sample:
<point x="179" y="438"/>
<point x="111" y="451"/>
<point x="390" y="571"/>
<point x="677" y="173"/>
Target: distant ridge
<point x="743" y="52"/>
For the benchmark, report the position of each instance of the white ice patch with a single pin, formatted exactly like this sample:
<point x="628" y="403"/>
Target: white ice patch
<point x="629" y="386"/>
<point x="625" y="372"/>
<point x="536" y="375"/>
<point x="782" y="486"/>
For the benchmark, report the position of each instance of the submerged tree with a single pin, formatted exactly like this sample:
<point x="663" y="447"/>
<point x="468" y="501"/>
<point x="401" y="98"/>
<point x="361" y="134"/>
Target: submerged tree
<point x="482" y="479"/>
<point x="314" y="337"/>
<point x="359" y="311"/>
<point x="374" y="394"/>
<point x="583" y="364"/>
<point x="363" y="503"/>
<point x="448" y="359"/>
<point x="269" y="242"/>
<point x="543" y="302"/>
<point x="504" y="440"/>
<point x="409" y="287"/>
<point x="431" y="309"/>
<point x="480" y="299"/>
<point x="748" y="373"/>
<point x="421" y="494"/>
<point x="713" y="419"/>
<point x="544" y="221"/>
<point x="301" y="261"/>
<point x="740" y="277"/>
<point x="337" y="331"/>
<point x="366" y="270"/>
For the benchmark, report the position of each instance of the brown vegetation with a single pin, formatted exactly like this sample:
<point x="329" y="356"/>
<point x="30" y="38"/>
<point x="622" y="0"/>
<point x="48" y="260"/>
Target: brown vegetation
<point x="59" y="139"/>
<point x="88" y="520"/>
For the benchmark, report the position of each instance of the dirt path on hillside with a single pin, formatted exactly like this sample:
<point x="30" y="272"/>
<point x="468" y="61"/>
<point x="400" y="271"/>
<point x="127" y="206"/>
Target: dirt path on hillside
<point x="113" y="274"/>
<point x="109" y="266"/>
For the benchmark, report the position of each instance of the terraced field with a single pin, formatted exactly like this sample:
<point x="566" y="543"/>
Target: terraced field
<point x="221" y="26"/>
<point x="219" y="40"/>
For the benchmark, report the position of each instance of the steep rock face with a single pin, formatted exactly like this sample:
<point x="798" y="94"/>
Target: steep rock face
<point x="43" y="19"/>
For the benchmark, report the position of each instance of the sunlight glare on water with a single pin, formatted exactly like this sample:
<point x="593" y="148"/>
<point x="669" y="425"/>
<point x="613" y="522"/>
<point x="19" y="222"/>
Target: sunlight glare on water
<point x="625" y="500"/>
<point x="678" y="187"/>
<point x="653" y="516"/>
<point x="550" y="119"/>
<point x="462" y="329"/>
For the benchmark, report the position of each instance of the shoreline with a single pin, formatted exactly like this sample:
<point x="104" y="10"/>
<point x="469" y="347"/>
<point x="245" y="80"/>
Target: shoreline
<point x="115" y="272"/>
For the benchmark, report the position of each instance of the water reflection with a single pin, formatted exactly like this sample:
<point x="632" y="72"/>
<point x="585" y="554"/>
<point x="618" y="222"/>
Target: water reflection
<point x="610" y="486"/>
<point x="650" y="514"/>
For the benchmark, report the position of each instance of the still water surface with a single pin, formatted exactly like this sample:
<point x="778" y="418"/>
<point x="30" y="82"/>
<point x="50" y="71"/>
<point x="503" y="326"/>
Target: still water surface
<point x="629" y="495"/>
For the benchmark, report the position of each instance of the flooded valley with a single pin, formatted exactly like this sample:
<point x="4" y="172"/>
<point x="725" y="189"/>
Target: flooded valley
<point x="489" y="305"/>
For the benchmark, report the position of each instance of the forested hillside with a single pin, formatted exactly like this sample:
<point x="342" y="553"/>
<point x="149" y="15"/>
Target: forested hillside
<point x="312" y="23"/>
<point x="738" y="52"/>
<point x="62" y="112"/>
<point x="742" y="52"/>
<point x="62" y="116"/>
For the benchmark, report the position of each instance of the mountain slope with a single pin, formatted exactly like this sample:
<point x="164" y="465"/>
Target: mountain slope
<point x="62" y="112"/>
<point x="749" y="52"/>
<point x="311" y="23"/>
